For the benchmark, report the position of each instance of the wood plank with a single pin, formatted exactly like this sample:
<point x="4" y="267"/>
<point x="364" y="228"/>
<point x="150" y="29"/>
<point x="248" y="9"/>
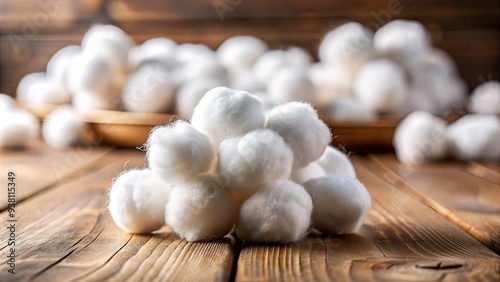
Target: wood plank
<point x="469" y="201"/>
<point x="40" y="167"/>
<point x="488" y="171"/>
<point x="66" y="234"/>
<point x="401" y="240"/>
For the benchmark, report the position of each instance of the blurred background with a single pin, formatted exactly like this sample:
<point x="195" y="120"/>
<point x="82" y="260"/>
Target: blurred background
<point x="31" y="31"/>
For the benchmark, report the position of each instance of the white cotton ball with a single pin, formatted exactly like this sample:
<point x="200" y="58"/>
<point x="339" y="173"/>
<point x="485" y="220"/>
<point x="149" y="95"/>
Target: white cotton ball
<point x="239" y="53"/>
<point x="137" y="201"/>
<point x="224" y="113"/>
<point x="25" y="84"/>
<point x="204" y="67"/>
<point x="46" y="90"/>
<point x="18" y="128"/>
<point x="63" y="128"/>
<point x="346" y="109"/>
<point x="302" y="130"/>
<point x="57" y="66"/>
<point x="150" y="89"/>
<point x="420" y="138"/>
<point x="340" y="204"/>
<point x="267" y="65"/>
<point x="380" y="86"/>
<point x="156" y="49"/>
<point x="178" y="152"/>
<point x="298" y="57"/>
<point x="440" y="59"/>
<point x="86" y="72"/>
<point x="485" y="99"/>
<point x="246" y="163"/>
<point x="246" y="81"/>
<point x="187" y="52"/>
<point x="337" y="163"/>
<point x="291" y="84"/>
<point x="403" y="41"/>
<point x="201" y="210"/>
<point x="6" y="102"/>
<point x="110" y="43"/>
<point x="278" y="212"/>
<point x="190" y="94"/>
<point x="475" y="137"/>
<point x="310" y="171"/>
<point x="88" y="100"/>
<point x="331" y="83"/>
<point x="348" y="46"/>
<point x="446" y="92"/>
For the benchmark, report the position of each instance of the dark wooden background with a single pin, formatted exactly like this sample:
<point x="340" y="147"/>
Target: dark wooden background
<point x="32" y="30"/>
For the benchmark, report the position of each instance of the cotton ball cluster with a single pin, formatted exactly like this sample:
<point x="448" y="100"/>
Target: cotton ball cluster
<point x="475" y="137"/>
<point x="340" y="204"/>
<point x="224" y="113"/>
<point x="137" y="200"/>
<point x="291" y="84"/>
<point x="485" y="99"/>
<point x="178" y="152"/>
<point x="150" y="89"/>
<point x="201" y="209"/>
<point x="420" y="138"/>
<point x="248" y="162"/>
<point x="63" y="128"/>
<point x="18" y="128"/>
<point x="380" y="86"/>
<point x="300" y="127"/>
<point x="239" y="53"/>
<point x="278" y="212"/>
<point x="348" y="46"/>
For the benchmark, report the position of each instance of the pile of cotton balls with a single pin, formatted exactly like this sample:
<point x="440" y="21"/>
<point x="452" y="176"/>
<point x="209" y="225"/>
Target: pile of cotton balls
<point x="270" y="177"/>
<point x="394" y="71"/>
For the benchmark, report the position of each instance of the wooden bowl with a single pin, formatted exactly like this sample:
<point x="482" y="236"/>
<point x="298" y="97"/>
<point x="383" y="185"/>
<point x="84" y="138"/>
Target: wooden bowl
<point x="124" y="129"/>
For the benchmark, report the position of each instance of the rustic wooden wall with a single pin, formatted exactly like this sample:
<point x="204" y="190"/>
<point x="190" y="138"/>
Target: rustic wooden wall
<point x="32" y="30"/>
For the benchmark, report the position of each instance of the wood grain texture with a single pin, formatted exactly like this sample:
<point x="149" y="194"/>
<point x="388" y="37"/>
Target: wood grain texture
<point x="402" y="240"/>
<point x="470" y="201"/>
<point x="66" y="234"/>
<point x="40" y="168"/>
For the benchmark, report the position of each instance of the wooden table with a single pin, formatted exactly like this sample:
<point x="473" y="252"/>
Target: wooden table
<point x="438" y="222"/>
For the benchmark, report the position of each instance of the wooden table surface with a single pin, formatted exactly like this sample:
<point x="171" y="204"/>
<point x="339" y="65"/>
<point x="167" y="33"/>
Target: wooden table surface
<point x="438" y="222"/>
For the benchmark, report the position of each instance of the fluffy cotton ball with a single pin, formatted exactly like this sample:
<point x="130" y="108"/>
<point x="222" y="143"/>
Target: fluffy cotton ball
<point x="190" y="94"/>
<point x="156" y="49"/>
<point x="302" y="130"/>
<point x="137" y="201"/>
<point x="59" y="62"/>
<point x="405" y="42"/>
<point x="46" y="90"/>
<point x="108" y="42"/>
<point x="336" y="162"/>
<point x="224" y="113"/>
<point x="346" y="109"/>
<point x="420" y="138"/>
<point x="331" y="82"/>
<point x="63" y="128"/>
<point x="246" y="163"/>
<point x="201" y="210"/>
<point x="485" y="99"/>
<point x="18" y="128"/>
<point x="178" y="152"/>
<point x="310" y="171"/>
<point x="340" y="204"/>
<point x="6" y="102"/>
<point x="380" y="86"/>
<point x="348" y="46"/>
<point x="291" y="84"/>
<point x="278" y="212"/>
<point x="86" y="72"/>
<point x="150" y="89"/>
<point x="239" y="53"/>
<point x="475" y="137"/>
<point x="444" y="92"/>
<point x="25" y="84"/>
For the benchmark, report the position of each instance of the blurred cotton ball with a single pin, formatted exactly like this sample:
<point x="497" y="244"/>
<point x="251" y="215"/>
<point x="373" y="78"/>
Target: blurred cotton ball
<point x="485" y="99"/>
<point x="331" y="83"/>
<point x="347" y="109"/>
<point x="336" y="162"/>
<point x="58" y="64"/>
<point x="18" y="128"/>
<point x="291" y="84"/>
<point x="24" y="85"/>
<point x="239" y="53"/>
<point x="6" y="102"/>
<point x="190" y="94"/>
<point x="310" y="171"/>
<point x="63" y="128"/>
<point x="188" y="52"/>
<point x="159" y="50"/>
